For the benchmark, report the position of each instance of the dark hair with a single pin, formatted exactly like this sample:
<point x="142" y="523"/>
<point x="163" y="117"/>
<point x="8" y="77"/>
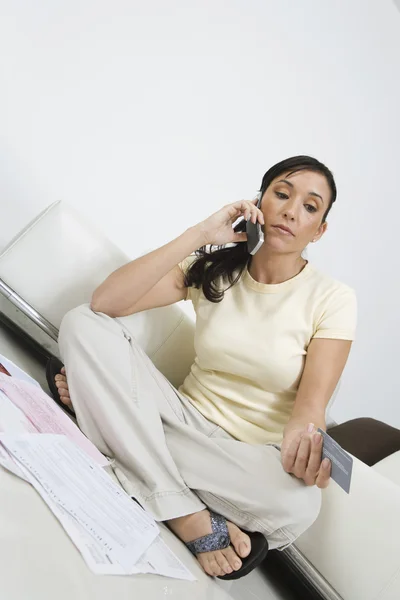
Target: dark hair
<point x="228" y="263"/>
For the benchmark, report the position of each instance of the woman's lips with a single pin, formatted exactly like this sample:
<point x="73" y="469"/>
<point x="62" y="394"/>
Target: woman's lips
<point x="283" y="230"/>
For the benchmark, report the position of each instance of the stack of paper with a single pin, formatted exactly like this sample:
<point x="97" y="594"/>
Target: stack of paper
<point x="43" y="446"/>
<point x="44" y="415"/>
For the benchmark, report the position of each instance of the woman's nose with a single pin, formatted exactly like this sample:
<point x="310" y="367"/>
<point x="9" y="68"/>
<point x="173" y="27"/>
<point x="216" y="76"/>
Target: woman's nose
<point x="289" y="214"/>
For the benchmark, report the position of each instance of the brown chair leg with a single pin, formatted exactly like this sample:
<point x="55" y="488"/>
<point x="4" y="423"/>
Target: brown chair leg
<point x="367" y="439"/>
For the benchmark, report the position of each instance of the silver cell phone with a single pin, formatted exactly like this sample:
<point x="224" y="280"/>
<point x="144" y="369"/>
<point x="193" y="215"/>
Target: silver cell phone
<point x="255" y="234"/>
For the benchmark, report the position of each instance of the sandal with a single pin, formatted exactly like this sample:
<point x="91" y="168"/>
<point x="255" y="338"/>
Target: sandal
<point x="220" y="539"/>
<point x="53" y="368"/>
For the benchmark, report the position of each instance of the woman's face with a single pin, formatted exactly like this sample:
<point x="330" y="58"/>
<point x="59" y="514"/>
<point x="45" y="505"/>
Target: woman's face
<point x="293" y="208"/>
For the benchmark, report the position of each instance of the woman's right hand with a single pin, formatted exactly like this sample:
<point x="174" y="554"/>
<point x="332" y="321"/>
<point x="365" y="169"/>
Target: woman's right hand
<point x="217" y="229"/>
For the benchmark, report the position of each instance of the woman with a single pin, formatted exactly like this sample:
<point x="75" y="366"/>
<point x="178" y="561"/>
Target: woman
<point x="235" y="450"/>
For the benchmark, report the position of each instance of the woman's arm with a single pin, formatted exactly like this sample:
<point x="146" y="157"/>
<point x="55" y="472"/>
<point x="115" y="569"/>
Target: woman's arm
<point x="324" y="366"/>
<point x="124" y="288"/>
<point x="301" y="447"/>
<point x="155" y="279"/>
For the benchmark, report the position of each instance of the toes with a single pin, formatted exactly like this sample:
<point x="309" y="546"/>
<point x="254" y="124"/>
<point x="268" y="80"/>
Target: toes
<point x="240" y="541"/>
<point x="209" y="564"/>
<point x="62" y="385"/>
<point x="232" y="558"/>
<point x="214" y="567"/>
<point x="223" y="563"/>
<point x="64" y="396"/>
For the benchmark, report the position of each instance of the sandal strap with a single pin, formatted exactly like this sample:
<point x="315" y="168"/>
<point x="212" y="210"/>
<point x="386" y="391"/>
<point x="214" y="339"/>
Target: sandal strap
<point x="217" y="540"/>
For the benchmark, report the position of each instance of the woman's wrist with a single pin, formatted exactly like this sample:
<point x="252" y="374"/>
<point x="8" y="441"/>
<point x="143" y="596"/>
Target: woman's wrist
<point x="198" y="234"/>
<point x="296" y="423"/>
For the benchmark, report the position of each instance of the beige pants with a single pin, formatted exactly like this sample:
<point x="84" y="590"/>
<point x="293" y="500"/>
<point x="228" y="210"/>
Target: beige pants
<point x="164" y="452"/>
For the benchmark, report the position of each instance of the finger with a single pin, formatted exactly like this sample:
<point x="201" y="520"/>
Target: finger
<point x="240" y="237"/>
<point x="324" y="474"/>
<point x="247" y="209"/>
<point x="241" y="205"/>
<point x="303" y="455"/>
<point x="256" y="215"/>
<point x="314" y="462"/>
<point x="289" y="455"/>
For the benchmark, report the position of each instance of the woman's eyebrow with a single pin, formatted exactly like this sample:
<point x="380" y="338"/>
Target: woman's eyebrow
<point x="317" y="195"/>
<point x="287" y="182"/>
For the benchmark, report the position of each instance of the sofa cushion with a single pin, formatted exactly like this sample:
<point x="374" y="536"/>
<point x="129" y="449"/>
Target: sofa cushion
<point x="367" y="439"/>
<point x="390" y="467"/>
<point x="57" y="261"/>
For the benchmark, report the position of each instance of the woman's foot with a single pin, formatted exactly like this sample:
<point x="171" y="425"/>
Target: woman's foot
<point x="63" y="390"/>
<point x="218" y="562"/>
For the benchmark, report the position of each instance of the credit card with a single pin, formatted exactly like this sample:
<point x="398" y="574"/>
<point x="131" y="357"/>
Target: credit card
<point x="342" y="463"/>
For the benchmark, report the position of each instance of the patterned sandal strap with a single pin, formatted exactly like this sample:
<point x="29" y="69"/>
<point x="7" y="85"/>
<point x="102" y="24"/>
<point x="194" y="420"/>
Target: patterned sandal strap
<point x="217" y="540"/>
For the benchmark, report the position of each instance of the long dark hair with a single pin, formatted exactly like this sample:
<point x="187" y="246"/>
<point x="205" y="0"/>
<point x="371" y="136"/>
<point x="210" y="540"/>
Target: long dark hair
<point x="228" y="263"/>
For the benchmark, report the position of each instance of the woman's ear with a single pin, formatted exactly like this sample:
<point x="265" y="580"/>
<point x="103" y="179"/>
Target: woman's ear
<point x="321" y="230"/>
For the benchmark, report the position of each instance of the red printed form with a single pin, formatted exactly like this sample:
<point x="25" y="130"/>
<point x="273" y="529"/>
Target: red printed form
<point x="44" y="416"/>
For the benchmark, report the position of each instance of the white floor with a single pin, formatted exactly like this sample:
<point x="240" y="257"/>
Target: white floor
<point x="259" y="586"/>
<point x="256" y="586"/>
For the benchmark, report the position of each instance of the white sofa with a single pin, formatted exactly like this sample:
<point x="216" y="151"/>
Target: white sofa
<point x="351" y="552"/>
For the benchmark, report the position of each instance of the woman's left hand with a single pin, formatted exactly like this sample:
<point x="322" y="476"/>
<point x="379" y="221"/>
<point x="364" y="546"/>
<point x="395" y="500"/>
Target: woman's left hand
<point x="301" y="452"/>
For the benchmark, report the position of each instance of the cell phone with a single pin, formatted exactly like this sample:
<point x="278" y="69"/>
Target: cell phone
<point x="255" y="234"/>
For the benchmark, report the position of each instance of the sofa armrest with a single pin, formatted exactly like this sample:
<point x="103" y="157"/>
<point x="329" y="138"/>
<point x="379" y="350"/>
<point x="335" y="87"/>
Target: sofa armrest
<point x="355" y="542"/>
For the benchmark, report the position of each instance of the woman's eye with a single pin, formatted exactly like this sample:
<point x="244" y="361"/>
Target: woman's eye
<point x="310" y="208"/>
<point x="282" y="196"/>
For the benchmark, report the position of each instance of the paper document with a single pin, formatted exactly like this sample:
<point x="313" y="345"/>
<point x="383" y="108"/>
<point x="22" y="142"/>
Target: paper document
<point x="12" y="419"/>
<point x="160" y="560"/>
<point x="7" y="365"/>
<point x="44" y="415"/>
<point x="81" y="488"/>
<point x="114" y="535"/>
<point x="7" y="461"/>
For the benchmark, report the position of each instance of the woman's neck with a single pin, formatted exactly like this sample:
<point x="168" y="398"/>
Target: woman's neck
<point x="275" y="268"/>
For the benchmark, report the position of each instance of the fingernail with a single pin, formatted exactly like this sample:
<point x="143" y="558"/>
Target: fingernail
<point x="325" y="463"/>
<point x="237" y="564"/>
<point x="310" y="427"/>
<point x="317" y="437"/>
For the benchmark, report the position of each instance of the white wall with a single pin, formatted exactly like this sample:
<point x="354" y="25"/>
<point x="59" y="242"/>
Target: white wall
<point x="148" y="116"/>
